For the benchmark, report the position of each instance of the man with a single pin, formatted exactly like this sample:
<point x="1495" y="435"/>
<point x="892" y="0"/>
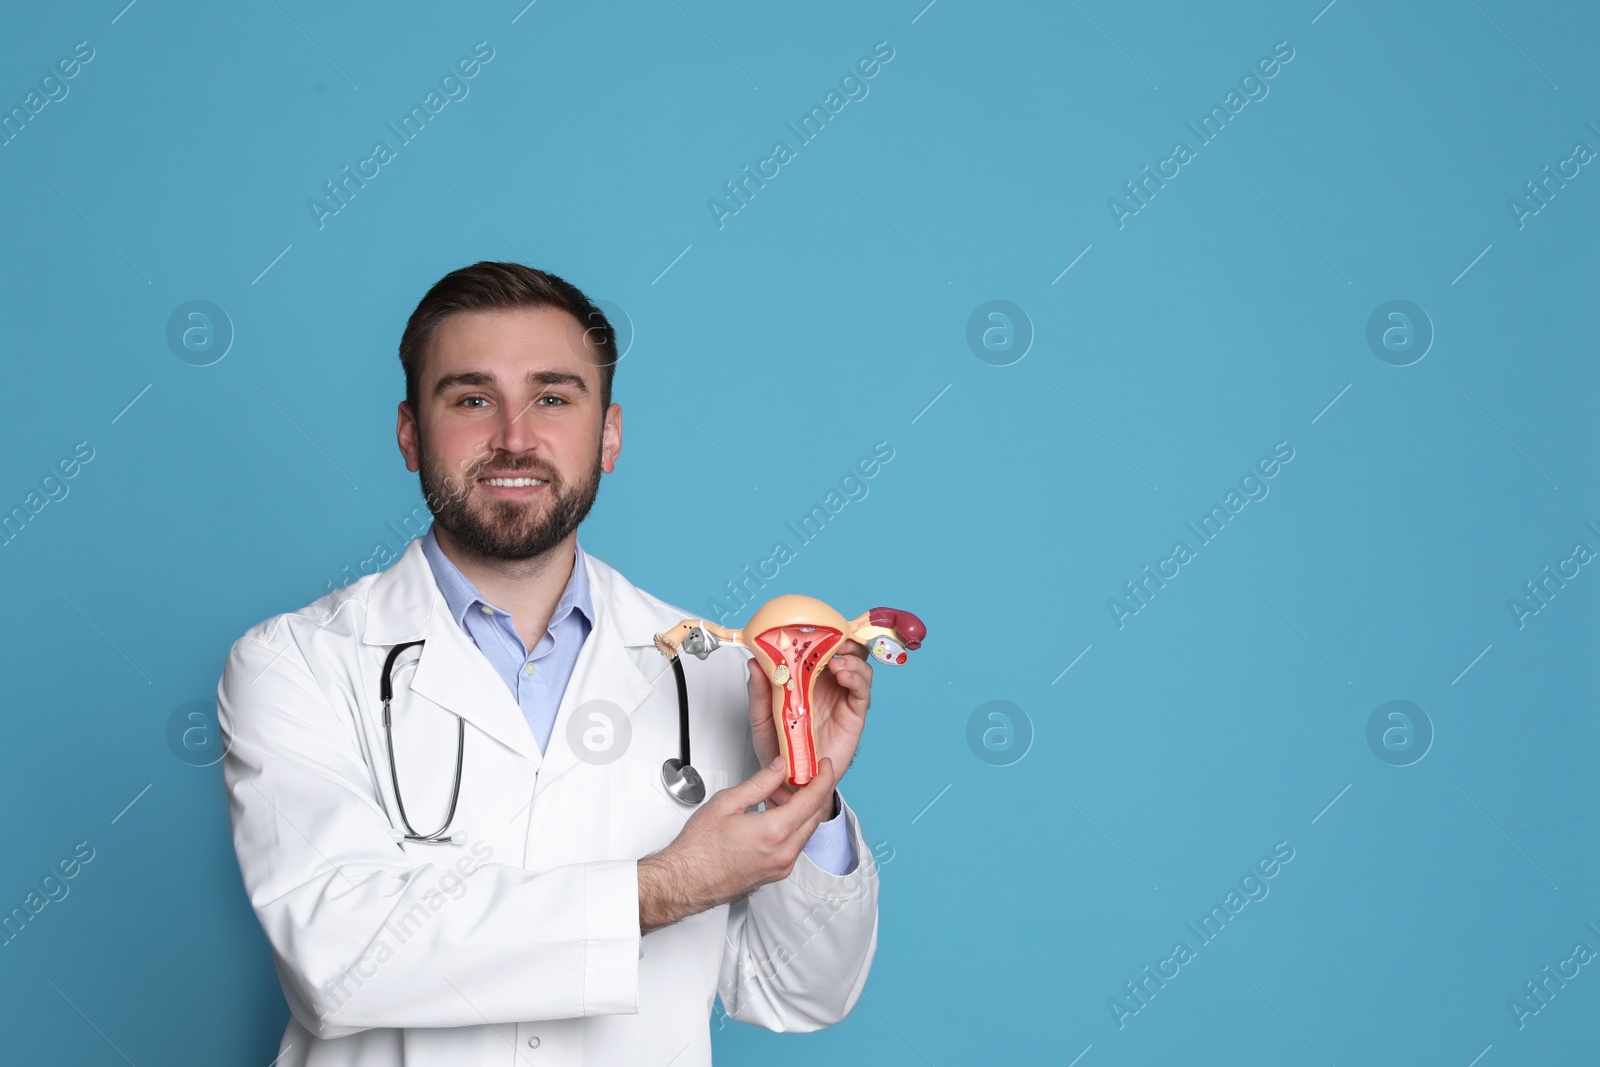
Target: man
<point x="488" y="869"/>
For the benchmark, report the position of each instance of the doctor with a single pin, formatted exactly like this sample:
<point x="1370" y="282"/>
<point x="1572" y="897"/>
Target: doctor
<point x="569" y="911"/>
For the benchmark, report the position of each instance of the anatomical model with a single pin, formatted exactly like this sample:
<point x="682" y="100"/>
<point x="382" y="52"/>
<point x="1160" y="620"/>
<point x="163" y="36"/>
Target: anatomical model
<point x="791" y="637"/>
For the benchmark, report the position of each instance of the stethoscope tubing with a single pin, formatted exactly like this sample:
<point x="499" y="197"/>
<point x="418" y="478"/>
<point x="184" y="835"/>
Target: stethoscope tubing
<point x="683" y="711"/>
<point x="386" y="693"/>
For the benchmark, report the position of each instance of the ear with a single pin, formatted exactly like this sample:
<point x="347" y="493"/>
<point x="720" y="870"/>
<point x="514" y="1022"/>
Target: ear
<point x="406" y="435"/>
<point x="611" y="438"/>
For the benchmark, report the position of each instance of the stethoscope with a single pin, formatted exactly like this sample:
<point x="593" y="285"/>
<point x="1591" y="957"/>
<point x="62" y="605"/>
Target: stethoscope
<point x="386" y="693"/>
<point x="682" y="781"/>
<point x="678" y="775"/>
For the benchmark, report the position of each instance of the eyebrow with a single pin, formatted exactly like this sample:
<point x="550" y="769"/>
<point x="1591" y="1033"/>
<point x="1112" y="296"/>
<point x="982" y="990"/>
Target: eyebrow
<point x="536" y="377"/>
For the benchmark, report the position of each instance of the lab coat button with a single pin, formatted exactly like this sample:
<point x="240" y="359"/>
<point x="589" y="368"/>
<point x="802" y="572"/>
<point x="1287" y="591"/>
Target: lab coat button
<point x="533" y="1042"/>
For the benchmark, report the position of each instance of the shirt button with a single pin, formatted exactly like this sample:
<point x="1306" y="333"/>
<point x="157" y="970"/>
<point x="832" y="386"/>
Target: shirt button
<point x="486" y="609"/>
<point x="533" y="1042"/>
<point x="528" y="669"/>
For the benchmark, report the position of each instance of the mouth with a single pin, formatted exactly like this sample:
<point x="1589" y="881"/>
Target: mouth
<point x="513" y="486"/>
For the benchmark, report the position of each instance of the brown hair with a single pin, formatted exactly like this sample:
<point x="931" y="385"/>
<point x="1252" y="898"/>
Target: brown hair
<point x="489" y="285"/>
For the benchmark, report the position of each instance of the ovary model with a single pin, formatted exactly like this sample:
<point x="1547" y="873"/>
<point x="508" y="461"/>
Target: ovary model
<point x="792" y="637"/>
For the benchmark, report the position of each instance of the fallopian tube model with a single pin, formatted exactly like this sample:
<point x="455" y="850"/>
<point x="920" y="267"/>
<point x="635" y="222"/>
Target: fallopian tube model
<point x="791" y="637"/>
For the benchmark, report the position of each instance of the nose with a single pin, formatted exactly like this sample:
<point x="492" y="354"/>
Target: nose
<point x="514" y="432"/>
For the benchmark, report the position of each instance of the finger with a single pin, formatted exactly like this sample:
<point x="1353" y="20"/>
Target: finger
<point x="852" y="674"/>
<point x="760" y="690"/>
<point x="763" y="733"/>
<point x="780" y="796"/>
<point x="757" y="787"/>
<point x="851" y="661"/>
<point x="812" y="802"/>
<point x="854" y="696"/>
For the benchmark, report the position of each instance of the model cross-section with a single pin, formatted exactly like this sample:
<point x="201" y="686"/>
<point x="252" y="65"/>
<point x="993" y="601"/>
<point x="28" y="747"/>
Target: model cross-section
<point x="792" y="637"/>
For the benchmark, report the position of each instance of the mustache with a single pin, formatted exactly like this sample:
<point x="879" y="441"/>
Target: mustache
<point x="529" y="466"/>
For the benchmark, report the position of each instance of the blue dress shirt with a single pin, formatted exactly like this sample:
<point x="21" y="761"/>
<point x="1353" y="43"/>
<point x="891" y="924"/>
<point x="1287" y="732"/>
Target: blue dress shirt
<point x="538" y="679"/>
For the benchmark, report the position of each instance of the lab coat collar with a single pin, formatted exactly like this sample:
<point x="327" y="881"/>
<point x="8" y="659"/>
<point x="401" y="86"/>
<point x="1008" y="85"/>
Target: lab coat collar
<point x="462" y="595"/>
<point x="405" y="604"/>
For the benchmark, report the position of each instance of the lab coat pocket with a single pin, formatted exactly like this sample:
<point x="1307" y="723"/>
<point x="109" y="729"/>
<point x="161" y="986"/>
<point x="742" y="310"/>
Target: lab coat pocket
<point x="645" y="817"/>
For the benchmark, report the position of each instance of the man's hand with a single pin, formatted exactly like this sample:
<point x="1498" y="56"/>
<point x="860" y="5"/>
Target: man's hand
<point x="843" y="692"/>
<point x="724" y="851"/>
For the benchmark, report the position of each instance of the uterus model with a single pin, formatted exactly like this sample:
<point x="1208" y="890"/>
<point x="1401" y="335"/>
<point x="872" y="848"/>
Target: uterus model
<point x="792" y="638"/>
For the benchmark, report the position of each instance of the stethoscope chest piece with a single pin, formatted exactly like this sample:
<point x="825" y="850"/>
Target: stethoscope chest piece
<point x="683" y="781"/>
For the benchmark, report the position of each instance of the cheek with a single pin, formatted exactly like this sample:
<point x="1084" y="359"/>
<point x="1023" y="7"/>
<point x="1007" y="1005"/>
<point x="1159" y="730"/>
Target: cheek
<point x="454" y="451"/>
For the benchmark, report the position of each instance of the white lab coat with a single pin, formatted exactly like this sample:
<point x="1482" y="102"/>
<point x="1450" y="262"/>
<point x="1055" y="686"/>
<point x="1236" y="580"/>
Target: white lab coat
<point x="520" y="945"/>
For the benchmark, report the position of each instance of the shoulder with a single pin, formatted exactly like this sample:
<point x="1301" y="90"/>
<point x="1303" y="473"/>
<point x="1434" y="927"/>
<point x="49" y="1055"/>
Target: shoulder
<point x="338" y="616"/>
<point x="632" y="604"/>
<point x="639" y="613"/>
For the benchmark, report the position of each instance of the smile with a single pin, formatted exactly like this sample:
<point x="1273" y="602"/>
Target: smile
<point x="513" y="481"/>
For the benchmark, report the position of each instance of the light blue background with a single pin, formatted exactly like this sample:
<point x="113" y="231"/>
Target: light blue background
<point x="829" y="314"/>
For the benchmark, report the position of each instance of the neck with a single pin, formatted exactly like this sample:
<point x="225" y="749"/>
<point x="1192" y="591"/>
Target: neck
<point x="528" y="588"/>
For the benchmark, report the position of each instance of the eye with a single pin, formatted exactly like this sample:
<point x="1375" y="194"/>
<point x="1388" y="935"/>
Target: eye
<point x="558" y="399"/>
<point x="474" y="396"/>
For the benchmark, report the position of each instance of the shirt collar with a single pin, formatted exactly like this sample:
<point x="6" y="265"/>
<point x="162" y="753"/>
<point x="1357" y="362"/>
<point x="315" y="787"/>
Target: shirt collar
<point x="461" y="596"/>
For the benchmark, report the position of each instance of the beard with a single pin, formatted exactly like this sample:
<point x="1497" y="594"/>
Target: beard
<point x="507" y="529"/>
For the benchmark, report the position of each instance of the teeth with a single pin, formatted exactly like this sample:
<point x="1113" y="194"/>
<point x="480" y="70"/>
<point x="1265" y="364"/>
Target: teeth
<point x="513" y="481"/>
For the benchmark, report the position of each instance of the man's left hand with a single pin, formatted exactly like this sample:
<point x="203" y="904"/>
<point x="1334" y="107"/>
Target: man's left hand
<point x="838" y="714"/>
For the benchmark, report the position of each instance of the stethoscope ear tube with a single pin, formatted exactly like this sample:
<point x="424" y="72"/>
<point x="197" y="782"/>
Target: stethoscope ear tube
<point x="386" y="682"/>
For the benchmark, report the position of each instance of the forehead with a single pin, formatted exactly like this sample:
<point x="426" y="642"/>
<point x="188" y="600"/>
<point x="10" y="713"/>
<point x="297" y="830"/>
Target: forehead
<point x="507" y="342"/>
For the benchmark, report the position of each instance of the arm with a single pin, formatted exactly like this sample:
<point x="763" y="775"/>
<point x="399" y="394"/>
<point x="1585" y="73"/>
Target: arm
<point x="831" y="847"/>
<point x="725" y="851"/>
<point x="798" y="950"/>
<point x="345" y="908"/>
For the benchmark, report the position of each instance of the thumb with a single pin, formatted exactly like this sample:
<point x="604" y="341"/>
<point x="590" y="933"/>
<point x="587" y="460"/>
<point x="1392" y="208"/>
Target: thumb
<point x="825" y="771"/>
<point x="759" y="786"/>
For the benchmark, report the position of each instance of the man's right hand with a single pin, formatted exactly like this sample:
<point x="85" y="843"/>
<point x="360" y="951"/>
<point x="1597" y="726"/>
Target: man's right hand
<point x="724" y="851"/>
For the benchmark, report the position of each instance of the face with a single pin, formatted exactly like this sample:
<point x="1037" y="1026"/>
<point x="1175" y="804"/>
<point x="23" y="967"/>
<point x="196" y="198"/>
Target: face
<point x="509" y="441"/>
